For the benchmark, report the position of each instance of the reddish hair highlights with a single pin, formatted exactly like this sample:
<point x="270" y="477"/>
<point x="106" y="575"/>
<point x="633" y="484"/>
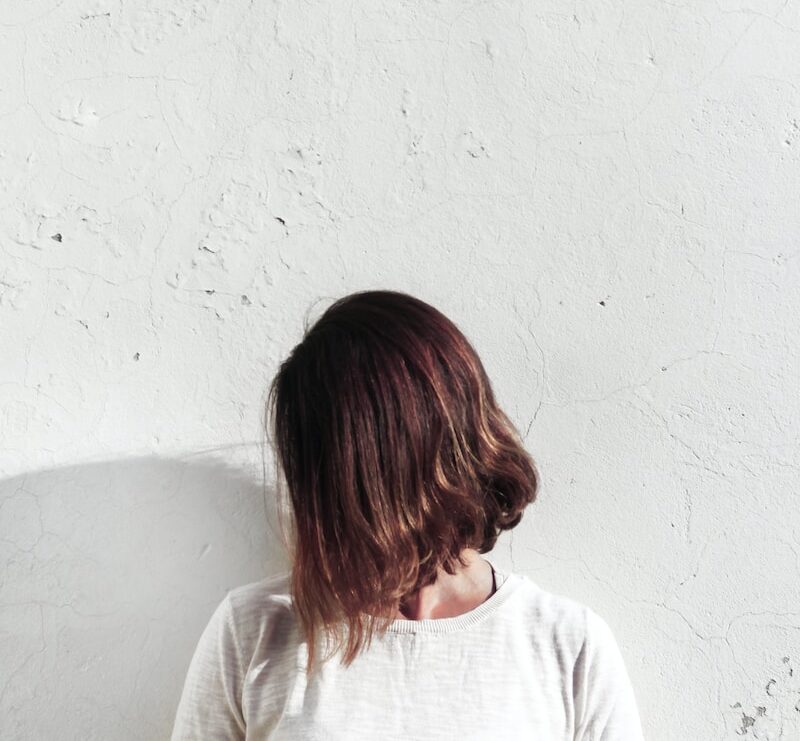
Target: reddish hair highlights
<point x="396" y="458"/>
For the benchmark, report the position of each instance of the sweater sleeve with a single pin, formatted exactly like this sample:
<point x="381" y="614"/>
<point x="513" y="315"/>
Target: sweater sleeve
<point x="604" y="700"/>
<point x="210" y="705"/>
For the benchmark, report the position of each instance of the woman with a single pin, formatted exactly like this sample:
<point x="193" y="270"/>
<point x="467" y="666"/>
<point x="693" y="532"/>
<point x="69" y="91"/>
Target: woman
<point x="401" y="471"/>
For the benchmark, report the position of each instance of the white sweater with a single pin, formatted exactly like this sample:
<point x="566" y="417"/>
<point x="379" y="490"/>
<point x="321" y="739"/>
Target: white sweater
<point x="524" y="664"/>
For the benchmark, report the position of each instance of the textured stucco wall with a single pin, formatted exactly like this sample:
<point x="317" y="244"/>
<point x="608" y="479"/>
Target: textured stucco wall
<point x="603" y="195"/>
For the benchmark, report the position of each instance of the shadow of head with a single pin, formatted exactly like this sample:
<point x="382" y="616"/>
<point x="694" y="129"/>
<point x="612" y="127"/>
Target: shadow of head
<point x="110" y="572"/>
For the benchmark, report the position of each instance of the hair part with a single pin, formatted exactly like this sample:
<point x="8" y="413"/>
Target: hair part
<point x="396" y="458"/>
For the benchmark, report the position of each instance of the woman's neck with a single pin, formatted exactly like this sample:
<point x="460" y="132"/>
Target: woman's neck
<point x="451" y="594"/>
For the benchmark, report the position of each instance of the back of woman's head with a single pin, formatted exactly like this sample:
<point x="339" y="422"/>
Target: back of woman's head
<point x="396" y="458"/>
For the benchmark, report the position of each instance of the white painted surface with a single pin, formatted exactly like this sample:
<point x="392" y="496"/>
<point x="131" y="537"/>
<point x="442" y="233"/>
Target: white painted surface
<point x="214" y="168"/>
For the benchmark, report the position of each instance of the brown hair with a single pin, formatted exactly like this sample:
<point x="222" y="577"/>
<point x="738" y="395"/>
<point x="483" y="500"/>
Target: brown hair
<point x="396" y="458"/>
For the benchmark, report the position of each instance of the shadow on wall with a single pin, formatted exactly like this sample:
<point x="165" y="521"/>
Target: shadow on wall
<point x="110" y="572"/>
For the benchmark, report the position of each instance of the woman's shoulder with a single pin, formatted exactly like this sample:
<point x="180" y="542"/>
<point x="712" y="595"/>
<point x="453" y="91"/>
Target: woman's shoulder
<point x="558" y="616"/>
<point x="262" y="606"/>
<point x="549" y="606"/>
<point x="584" y="645"/>
<point x="273" y="590"/>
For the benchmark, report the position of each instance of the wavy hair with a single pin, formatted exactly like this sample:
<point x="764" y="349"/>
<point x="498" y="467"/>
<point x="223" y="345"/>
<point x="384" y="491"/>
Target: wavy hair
<point x="396" y="458"/>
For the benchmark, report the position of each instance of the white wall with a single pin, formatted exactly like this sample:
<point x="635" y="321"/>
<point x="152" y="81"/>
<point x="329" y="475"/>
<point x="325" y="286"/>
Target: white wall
<point x="603" y="195"/>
